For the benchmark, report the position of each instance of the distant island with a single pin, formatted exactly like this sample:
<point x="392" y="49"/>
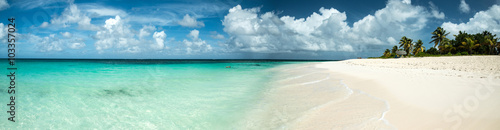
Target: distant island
<point x="484" y="43"/>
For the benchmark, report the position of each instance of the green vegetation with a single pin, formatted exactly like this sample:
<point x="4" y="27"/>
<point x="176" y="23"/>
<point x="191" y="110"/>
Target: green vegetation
<point x="484" y="43"/>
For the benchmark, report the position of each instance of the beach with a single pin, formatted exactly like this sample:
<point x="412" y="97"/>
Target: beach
<point x="406" y="93"/>
<point x="460" y="92"/>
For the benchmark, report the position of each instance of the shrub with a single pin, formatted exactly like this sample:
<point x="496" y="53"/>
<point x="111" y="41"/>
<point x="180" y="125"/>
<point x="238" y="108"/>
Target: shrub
<point x="458" y="54"/>
<point x="449" y="54"/>
<point x="421" y="54"/>
<point x="432" y="51"/>
<point x="465" y="53"/>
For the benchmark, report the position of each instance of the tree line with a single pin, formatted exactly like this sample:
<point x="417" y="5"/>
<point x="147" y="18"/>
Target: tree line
<point x="484" y="43"/>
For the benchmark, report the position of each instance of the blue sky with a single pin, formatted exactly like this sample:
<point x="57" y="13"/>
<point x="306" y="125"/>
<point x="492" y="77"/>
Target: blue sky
<point x="234" y="29"/>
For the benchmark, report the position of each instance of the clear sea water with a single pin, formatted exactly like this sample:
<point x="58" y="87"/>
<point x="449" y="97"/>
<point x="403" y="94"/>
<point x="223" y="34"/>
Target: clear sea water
<point x="133" y="94"/>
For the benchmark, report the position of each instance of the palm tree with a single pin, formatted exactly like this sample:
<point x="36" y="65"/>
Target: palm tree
<point x="438" y="36"/>
<point x="470" y="44"/>
<point x="447" y="46"/>
<point x="394" y="49"/>
<point x="418" y="47"/>
<point x="459" y="41"/>
<point x="443" y="46"/>
<point x="498" y="47"/>
<point x="491" y="42"/>
<point x="387" y="53"/>
<point x="406" y="44"/>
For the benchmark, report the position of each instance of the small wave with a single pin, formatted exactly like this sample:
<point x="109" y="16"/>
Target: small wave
<point x="296" y="77"/>
<point x="305" y="83"/>
<point x="316" y="81"/>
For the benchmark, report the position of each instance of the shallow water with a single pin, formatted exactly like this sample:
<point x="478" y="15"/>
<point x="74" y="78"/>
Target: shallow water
<point x="126" y="94"/>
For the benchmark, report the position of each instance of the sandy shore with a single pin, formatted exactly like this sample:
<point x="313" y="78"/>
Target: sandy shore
<point x="428" y="93"/>
<point x="411" y="93"/>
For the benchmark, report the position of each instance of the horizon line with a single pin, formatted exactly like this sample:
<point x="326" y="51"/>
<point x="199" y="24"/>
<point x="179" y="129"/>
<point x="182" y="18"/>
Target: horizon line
<point x="222" y="59"/>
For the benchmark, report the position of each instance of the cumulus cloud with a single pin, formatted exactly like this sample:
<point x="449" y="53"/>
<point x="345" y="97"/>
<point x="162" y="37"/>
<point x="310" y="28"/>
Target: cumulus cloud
<point x="216" y="35"/>
<point x="72" y="15"/>
<point x="50" y="43"/>
<point x="327" y="30"/>
<point x="66" y="34"/>
<point x="4" y="5"/>
<point x="3" y="33"/>
<point x="44" y="25"/>
<point x="54" y="43"/>
<point x="189" y="21"/>
<point x="160" y="40"/>
<point x="193" y="34"/>
<point x="196" y="45"/>
<point x="464" y="7"/>
<point x="116" y="34"/>
<point x="134" y="49"/>
<point x="435" y="11"/>
<point x="406" y="1"/>
<point x="146" y="31"/>
<point x="482" y="20"/>
<point x="77" y="45"/>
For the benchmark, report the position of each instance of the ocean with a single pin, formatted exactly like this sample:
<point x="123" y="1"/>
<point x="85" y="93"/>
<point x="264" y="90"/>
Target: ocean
<point x="134" y="94"/>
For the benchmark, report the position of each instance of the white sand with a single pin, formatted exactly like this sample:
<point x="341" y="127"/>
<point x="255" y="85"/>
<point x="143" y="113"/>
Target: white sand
<point x="428" y="93"/>
<point x="411" y="93"/>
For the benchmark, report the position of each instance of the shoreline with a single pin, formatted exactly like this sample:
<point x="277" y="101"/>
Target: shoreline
<point x="301" y="94"/>
<point x="410" y="93"/>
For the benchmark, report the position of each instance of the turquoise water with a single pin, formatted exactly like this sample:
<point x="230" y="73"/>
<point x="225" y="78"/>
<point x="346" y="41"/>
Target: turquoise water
<point x="128" y="94"/>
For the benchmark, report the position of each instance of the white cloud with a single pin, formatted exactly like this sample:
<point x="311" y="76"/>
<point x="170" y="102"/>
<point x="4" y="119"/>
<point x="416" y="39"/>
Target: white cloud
<point x="101" y="11"/>
<point x="66" y="34"/>
<point x="406" y="1"/>
<point x="202" y="9"/>
<point x="193" y="34"/>
<point x="196" y="45"/>
<point x="77" y="45"/>
<point x="464" y="7"/>
<point x="146" y="31"/>
<point x="72" y="15"/>
<point x="50" y="43"/>
<point x="31" y="4"/>
<point x="435" y="11"/>
<point x="115" y="34"/>
<point x="98" y="10"/>
<point x="168" y="14"/>
<point x="327" y="30"/>
<point x="216" y="35"/>
<point x="3" y="33"/>
<point x="391" y="40"/>
<point x="4" y="5"/>
<point x="44" y="25"/>
<point x="482" y="20"/>
<point x="160" y="40"/>
<point x="150" y="19"/>
<point x="53" y="43"/>
<point x="134" y="49"/>
<point x="189" y="21"/>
